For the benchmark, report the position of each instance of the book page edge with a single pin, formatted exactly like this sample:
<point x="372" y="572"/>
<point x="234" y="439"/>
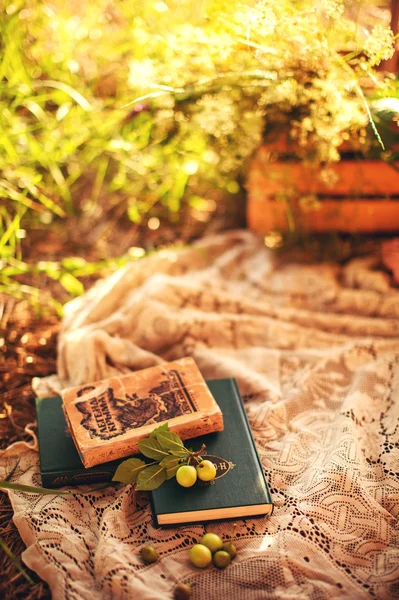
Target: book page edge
<point x="235" y="512"/>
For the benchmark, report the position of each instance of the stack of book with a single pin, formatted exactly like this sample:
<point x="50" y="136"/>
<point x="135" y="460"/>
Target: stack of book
<point x="87" y="433"/>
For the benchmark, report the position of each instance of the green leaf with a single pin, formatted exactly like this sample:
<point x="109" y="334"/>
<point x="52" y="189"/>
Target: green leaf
<point x="183" y="453"/>
<point x="151" y="448"/>
<point x="70" y="263"/>
<point x="151" y="478"/>
<point x="171" y="464"/>
<point x="169" y="440"/>
<point x="170" y="473"/>
<point x="134" y="214"/>
<point x="128" y="470"/>
<point x="71" y="284"/>
<point x="163" y="427"/>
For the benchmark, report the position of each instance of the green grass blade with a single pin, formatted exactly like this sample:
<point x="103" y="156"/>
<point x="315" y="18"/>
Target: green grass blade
<point x="62" y="186"/>
<point x="11" y="473"/>
<point x="31" y="489"/>
<point x="11" y="230"/>
<point x="63" y="87"/>
<point x="16" y="561"/>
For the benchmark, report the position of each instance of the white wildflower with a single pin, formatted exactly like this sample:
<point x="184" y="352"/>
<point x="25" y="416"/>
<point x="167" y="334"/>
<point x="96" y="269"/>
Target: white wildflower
<point x="380" y="44"/>
<point x="266" y="18"/>
<point x="332" y="8"/>
<point x="217" y="116"/>
<point x="142" y="73"/>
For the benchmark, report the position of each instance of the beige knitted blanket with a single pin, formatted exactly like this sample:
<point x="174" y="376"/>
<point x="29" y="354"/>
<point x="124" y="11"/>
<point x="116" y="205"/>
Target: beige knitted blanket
<point x="315" y="351"/>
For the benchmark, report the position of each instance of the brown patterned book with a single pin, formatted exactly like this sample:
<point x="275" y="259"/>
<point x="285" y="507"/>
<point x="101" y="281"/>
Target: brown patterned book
<point x="108" y="418"/>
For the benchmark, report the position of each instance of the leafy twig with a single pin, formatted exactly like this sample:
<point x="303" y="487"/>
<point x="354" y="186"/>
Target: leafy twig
<point x="168" y="453"/>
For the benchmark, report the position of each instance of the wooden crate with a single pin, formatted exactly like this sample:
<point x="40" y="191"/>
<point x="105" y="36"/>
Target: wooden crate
<point x="364" y="198"/>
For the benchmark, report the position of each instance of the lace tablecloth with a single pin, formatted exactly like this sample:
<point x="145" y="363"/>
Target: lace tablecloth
<point x="315" y="351"/>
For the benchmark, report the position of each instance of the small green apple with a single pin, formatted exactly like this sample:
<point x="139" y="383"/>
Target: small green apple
<point x="149" y="554"/>
<point x="230" y="548"/>
<point x="182" y="591"/>
<point x="221" y="559"/>
<point x="212" y="541"/>
<point x="200" y="556"/>
<point x="206" y="470"/>
<point x="186" y="476"/>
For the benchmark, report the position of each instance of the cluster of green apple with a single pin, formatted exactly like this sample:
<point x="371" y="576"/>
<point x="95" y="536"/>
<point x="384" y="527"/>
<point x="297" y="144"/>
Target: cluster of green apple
<point x="212" y="549"/>
<point x="187" y="475"/>
<point x="170" y="458"/>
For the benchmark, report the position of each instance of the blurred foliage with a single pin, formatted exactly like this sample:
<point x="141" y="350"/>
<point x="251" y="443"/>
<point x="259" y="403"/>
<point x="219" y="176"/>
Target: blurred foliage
<point x="146" y="109"/>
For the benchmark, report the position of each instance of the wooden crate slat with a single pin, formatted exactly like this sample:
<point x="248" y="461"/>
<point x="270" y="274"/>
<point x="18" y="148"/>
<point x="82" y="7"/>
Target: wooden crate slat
<point x="354" y="178"/>
<point x="361" y="215"/>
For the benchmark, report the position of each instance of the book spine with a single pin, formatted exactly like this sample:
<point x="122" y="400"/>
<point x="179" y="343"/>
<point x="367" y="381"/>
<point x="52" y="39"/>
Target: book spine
<point x="56" y="480"/>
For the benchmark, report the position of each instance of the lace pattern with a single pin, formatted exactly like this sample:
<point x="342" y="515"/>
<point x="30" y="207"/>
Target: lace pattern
<point x="315" y="351"/>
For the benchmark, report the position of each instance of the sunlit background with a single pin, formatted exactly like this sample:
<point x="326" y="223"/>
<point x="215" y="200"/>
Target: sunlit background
<point x="132" y="125"/>
<point x="129" y="128"/>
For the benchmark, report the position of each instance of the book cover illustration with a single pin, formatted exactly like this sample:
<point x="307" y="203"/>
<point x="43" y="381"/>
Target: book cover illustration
<point x="109" y="417"/>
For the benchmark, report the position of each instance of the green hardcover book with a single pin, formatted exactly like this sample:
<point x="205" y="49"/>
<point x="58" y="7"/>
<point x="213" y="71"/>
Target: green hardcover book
<point x="240" y="488"/>
<point x="60" y="463"/>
